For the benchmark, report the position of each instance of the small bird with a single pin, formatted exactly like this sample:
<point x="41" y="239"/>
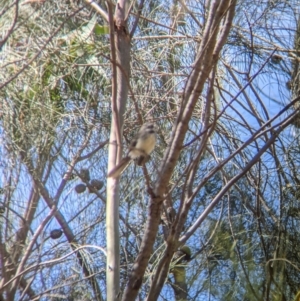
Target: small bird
<point x="140" y="149"/>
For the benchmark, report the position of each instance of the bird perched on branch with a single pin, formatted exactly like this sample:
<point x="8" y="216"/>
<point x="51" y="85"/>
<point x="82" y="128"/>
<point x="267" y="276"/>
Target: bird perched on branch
<point x="140" y="149"/>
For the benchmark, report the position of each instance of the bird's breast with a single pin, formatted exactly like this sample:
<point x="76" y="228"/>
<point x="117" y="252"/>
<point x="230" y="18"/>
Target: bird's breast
<point x="143" y="146"/>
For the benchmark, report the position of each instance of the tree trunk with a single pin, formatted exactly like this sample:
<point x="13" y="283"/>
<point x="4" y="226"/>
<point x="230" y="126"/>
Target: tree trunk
<point x="120" y="56"/>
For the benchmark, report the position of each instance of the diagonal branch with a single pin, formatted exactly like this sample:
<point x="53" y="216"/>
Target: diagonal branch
<point x="194" y="86"/>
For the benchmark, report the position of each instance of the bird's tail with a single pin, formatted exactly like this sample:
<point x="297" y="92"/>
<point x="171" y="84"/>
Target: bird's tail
<point x="117" y="170"/>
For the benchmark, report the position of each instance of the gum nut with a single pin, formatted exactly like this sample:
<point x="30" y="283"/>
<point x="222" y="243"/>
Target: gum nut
<point x="84" y="174"/>
<point x="80" y="188"/>
<point x="97" y="184"/>
<point x="56" y="233"/>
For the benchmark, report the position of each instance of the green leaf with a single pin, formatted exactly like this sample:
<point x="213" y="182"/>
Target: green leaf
<point x="101" y="30"/>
